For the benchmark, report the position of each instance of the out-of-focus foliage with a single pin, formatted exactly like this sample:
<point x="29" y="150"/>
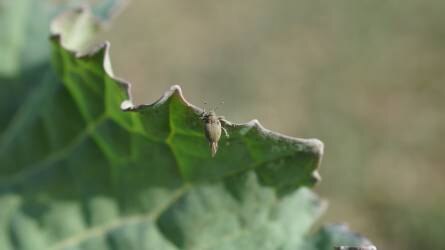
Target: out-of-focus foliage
<point x="25" y="55"/>
<point x="79" y="173"/>
<point x="364" y="76"/>
<point x="24" y="25"/>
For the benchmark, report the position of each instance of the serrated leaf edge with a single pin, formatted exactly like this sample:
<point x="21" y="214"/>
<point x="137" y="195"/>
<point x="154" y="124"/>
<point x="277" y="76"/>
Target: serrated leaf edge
<point x="312" y="145"/>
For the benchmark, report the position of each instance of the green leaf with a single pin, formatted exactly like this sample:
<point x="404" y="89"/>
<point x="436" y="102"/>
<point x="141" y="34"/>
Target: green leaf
<point x="77" y="172"/>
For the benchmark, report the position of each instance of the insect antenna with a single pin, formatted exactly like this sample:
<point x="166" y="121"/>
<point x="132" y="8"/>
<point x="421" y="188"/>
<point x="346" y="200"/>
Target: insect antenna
<point x="205" y="105"/>
<point x="216" y="108"/>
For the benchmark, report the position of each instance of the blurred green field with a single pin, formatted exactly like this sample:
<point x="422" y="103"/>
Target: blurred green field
<point x="366" y="77"/>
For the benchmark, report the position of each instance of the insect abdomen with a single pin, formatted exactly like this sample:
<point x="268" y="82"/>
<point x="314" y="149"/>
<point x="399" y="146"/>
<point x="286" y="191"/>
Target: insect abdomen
<point x="213" y="148"/>
<point x="213" y="133"/>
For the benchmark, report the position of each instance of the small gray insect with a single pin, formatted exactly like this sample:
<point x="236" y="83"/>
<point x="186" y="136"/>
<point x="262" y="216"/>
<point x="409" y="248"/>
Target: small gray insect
<point x="213" y="125"/>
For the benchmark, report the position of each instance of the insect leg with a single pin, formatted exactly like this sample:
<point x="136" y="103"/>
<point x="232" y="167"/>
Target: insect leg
<point x="225" y="131"/>
<point x="224" y="121"/>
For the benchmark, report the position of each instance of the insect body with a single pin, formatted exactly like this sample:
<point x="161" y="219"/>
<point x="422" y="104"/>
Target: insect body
<point x="213" y="126"/>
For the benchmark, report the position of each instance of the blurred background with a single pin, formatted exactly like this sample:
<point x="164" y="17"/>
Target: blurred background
<point x="366" y="77"/>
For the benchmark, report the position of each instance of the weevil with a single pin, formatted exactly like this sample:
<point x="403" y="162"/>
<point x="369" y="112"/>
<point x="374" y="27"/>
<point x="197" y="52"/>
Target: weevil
<point x="213" y="125"/>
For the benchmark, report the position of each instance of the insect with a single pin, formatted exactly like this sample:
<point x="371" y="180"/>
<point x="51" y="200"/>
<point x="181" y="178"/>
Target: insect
<point x="213" y="125"/>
